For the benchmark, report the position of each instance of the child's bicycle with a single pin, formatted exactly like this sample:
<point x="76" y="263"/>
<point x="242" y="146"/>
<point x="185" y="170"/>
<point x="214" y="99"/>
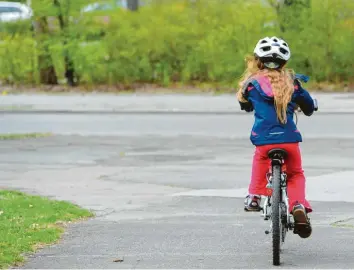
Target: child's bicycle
<point x="276" y="205"/>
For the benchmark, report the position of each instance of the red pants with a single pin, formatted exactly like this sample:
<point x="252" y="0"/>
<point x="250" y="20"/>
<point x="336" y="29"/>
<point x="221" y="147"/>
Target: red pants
<point x="295" y="173"/>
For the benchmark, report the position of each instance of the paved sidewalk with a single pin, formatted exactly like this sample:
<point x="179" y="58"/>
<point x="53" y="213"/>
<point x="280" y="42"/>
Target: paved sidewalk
<point x="168" y="189"/>
<point x="176" y="202"/>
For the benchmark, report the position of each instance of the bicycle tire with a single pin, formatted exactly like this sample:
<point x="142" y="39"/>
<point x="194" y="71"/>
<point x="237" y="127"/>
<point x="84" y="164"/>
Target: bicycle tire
<point x="276" y="218"/>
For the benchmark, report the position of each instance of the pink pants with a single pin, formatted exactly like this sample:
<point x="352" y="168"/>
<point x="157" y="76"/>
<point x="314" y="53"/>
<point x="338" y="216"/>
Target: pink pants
<point x="295" y="173"/>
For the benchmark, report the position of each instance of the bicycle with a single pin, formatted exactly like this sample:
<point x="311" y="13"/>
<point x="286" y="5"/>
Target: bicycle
<point x="276" y="205"/>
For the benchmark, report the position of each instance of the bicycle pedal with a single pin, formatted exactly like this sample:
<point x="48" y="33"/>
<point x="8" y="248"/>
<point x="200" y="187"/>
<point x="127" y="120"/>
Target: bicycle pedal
<point x="259" y="209"/>
<point x="301" y="227"/>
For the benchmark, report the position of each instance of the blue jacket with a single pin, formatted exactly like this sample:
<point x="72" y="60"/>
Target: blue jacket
<point x="267" y="129"/>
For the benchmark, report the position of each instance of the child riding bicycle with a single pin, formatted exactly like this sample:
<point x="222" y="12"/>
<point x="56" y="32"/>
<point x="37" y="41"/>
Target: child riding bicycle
<point x="274" y="93"/>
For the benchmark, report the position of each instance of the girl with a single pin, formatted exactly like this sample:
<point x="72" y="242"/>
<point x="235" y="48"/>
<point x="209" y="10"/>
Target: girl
<point x="274" y="93"/>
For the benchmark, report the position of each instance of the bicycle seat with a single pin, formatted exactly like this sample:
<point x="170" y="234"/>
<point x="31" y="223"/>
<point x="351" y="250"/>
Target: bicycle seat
<point x="277" y="153"/>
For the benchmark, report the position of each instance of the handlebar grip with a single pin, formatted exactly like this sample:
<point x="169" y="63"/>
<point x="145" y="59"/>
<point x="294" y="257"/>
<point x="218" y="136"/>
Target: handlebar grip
<point x="315" y="104"/>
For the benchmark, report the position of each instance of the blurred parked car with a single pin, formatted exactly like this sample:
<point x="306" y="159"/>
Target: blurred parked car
<point x="106" y="6"/>
<point x="13" y="12"/>
<point x="110" y="5"/>
<point x="102" y="11"/>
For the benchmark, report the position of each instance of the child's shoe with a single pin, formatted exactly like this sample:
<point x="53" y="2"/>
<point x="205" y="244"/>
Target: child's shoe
<point x="302" y="225"/>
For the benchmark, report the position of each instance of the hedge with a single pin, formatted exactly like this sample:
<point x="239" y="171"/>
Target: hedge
<point x="180" y="41"/>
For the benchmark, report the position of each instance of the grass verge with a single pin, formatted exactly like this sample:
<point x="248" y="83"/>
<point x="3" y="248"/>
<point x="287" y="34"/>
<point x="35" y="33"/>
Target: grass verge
<point x="346" y="223"/>
<point x="19" y="136"/>
<point x="30" y="222"/>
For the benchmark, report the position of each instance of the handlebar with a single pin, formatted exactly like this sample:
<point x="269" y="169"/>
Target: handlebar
<point x="315" y="104"/>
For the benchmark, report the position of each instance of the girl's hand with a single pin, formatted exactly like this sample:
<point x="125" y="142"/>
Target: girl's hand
<point x="297" y="108"/>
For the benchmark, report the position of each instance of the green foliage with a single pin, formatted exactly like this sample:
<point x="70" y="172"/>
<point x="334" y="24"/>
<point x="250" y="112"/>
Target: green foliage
<point x="185" y="41"/>
<point x="18" y="64"/>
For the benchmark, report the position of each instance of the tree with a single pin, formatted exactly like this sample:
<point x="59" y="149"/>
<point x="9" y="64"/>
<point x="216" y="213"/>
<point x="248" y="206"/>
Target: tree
<point x="55" y="21"/>
<point x="63" y="23"/>
<point x="47" y="73"/>
<point x="133" y="4"/>
<point x="289" y="12"/>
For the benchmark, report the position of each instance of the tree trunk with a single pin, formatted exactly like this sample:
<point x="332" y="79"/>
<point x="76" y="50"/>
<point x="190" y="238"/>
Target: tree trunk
<point x="133" y="5"/>
<point x="288" y="12"/>
<point x="45" y="62"/>
<point x="69" y="65"/>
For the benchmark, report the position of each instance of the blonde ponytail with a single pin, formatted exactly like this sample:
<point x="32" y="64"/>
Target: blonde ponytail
<point x="282" y="82"/>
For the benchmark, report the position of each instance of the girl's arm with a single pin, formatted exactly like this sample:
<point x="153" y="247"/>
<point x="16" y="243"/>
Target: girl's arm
<point x="304" y="100"/>
<point x="242" y="96"/>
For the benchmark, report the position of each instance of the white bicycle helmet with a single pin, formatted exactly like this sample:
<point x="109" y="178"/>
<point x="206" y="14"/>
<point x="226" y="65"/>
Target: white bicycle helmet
<point x="273" y="52"/>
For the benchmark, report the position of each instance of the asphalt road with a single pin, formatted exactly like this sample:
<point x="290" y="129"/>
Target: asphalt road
<point x="140" y="102"/>
<point x="168" y="189"/>
<point x="337" y="125"/>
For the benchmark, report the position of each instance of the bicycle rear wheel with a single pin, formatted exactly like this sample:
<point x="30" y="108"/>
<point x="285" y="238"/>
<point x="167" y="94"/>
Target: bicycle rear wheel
<point x="276" y="216"/>
<point x="283" y="223"/>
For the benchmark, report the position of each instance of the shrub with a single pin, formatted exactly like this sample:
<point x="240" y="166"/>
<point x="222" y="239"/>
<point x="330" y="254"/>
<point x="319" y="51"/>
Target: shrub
<point x="190" y="42"/>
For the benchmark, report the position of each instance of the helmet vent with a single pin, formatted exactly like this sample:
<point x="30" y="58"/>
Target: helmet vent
<point x="266" y="48"/>
<point x="282" y="50"/>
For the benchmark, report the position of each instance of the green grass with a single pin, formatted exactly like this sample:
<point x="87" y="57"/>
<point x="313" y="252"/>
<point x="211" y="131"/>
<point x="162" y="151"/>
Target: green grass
<point x="346" y="223"/>
<point x="19" y="136"/>
<point x="30" y="222"/>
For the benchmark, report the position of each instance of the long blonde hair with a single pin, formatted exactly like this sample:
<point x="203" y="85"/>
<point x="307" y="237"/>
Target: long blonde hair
<point x="281" y="80"/>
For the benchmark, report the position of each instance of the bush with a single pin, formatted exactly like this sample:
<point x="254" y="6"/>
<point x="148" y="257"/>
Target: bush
<point x="191" y="42"/>
<point x="18" y="60"/>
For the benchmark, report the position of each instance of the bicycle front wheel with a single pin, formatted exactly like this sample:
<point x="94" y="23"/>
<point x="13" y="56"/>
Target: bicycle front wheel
<point x="276" y="217"/>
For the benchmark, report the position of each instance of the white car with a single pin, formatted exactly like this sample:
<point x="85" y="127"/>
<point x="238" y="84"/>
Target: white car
<point x="110" y="5"/>
<point x="107" y="5"/>
<point x="13" y="11"/>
